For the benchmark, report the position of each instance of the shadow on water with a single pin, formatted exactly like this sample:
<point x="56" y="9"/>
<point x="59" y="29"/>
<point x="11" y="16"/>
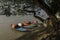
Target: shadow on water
<point x="31" y="35"/>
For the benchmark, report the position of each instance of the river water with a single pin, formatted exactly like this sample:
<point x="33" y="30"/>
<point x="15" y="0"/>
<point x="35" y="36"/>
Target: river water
<point x="6" y="33"/>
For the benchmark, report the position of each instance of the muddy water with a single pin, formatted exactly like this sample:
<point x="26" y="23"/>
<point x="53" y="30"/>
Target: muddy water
<point x="5" y="30"/>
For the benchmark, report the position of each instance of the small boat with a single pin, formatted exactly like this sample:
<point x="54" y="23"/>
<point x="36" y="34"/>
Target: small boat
<point x="21" y="29"/>
<point x="30" y="26"/>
